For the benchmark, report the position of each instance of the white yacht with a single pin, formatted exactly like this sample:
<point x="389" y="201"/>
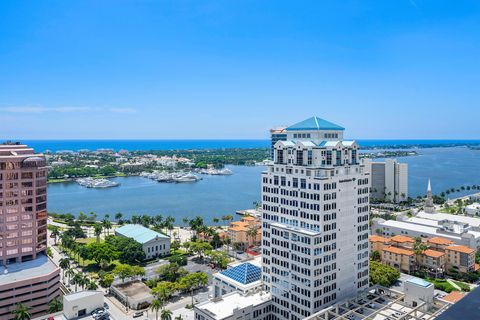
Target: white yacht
<point x="96" y="183"/>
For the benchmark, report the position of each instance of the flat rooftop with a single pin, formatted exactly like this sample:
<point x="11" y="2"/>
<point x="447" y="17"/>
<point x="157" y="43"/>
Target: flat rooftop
<point x="419" y="282"/>
<point x="379" y="303"/>
<point x="445" y="216"/>
<point x="433" y="231"/>
<point x="82" y="294"/>
<point x="223" y="308"/>
<point x="136" y="290"/>
<point x="26" y="270"/>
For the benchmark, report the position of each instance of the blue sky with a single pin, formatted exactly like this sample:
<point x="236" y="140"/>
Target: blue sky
<point x="232" y="69"/>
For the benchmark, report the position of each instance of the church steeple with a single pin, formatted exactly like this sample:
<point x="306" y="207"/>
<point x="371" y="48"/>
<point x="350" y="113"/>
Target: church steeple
<point x="429" y="206"/>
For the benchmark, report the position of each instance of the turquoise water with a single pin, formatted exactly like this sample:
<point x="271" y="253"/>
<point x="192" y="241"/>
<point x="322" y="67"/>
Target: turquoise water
<point x="215" y="196"/>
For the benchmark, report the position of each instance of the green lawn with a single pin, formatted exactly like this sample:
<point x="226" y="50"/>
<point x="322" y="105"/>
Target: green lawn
<point x="441" y="284"/>
<point x="57" y="180"/>
<point x="463" y="286"/>
<point x="85" y="240"/>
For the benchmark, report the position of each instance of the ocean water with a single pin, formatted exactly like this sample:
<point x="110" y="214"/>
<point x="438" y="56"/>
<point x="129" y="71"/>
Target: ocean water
<point x="132" y="145"/>
<point x="215" y="196"/>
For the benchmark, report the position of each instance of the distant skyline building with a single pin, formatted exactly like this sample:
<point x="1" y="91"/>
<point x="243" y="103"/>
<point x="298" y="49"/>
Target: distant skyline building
<point x="277" y="134"/>
<point x="27" y="276"/>
<point x="389" y="179"/>
<point x="315" y="202"/>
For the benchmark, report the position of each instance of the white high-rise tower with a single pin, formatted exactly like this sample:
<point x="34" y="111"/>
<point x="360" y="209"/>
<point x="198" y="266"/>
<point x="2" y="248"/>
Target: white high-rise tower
<point x="315" y="201"/>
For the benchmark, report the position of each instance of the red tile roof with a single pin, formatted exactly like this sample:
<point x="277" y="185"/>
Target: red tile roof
<point x="453" y="296"/>
<point x="400" y="238"/>
<point x="462" y="249"/>
<point x="440" y="240"/>
<point x="375" y="238"/>
<point x="433" y="253"/>
<point x="399" y="251"/>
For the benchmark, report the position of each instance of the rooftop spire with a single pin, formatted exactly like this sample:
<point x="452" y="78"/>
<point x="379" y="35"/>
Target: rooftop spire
<point x="429" y="206"/>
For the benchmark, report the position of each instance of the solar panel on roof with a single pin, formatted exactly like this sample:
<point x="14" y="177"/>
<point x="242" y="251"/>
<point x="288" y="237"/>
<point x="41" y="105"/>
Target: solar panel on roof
<point x="244" y="273"/>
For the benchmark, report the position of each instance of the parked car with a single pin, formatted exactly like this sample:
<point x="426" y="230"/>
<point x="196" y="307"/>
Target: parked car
<point x="138" y="314"/>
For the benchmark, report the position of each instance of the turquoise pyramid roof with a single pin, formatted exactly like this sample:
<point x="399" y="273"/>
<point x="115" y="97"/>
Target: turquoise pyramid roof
<point x="244" y="273"/>
<point x="314" y="123"/>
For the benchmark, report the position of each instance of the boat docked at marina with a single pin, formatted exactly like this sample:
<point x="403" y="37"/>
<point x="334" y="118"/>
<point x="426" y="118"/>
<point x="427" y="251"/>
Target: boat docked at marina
<point x="96" y="183"/>
<point x="216" y="172"/>
<point x="162" y="176"/>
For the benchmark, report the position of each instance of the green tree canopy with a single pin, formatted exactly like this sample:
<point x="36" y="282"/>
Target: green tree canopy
<point x="383" y="274"/>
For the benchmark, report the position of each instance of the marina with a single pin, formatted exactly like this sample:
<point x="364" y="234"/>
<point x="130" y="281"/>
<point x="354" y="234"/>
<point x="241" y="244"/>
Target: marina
<point x="178" y="177"/>
<point x="96" y="183"/>
<point x="216" y="172"/>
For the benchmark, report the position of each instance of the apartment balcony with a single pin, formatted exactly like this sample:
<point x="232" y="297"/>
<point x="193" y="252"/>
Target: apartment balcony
<point x="42" y="215"/>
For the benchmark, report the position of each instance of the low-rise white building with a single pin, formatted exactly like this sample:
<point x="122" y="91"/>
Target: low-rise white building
<point x="474" y="197"/>
<point x="154" y="243"/>
<point x="473" y="209"/>
<point x="461" y="230"/>
<point x="244" y="278"/>
<point x="419" y="292"/>
<point x="80" y="304"/>
<point x="235" y="306"/>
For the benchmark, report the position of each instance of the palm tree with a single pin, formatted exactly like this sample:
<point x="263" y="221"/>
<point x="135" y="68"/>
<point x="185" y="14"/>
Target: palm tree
<point x="106" y="224"/>
<point x="55" y="306"/>
<point x="93" y="216"/>
<point x="166" y="314"/>
<point x="77" y="279"/>
<point x="135" y="219"/>
<point x="84" y="281"/>
<point x="21" y="312"/>
<point x="92" y="285"/>
<point x="97" y="230"/>
<point x="169" y="221"/>
<point x="155" y="306"/>
<point x="83" y="253"/>
<point x="252" y="233"/>
<point x="146" y="221"/>
<point x="118" y="217"/>
<point x="179" y="317"/>
<point x="55" y="233"/>
<point x="64" y="263"/>
<point x="216" y="220"/>
<point x="185" y="221"/>
<point x="158" y="219"/>
<point x="69" y="273"/>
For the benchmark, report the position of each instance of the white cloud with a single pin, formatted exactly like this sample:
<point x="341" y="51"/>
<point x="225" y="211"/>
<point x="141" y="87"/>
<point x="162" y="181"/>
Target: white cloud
<point x="71" y="109"/>
<point x="24" y="109"/>
<point x="38" y="110"/>
<point x="122" y="110"/>
<point x="44" y="110"/>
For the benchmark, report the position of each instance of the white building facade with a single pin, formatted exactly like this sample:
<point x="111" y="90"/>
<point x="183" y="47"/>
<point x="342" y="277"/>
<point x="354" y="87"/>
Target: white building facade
<point x="315" y="202"/>
<point x="473" y="209"/>
<point x="389" y="179"/>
